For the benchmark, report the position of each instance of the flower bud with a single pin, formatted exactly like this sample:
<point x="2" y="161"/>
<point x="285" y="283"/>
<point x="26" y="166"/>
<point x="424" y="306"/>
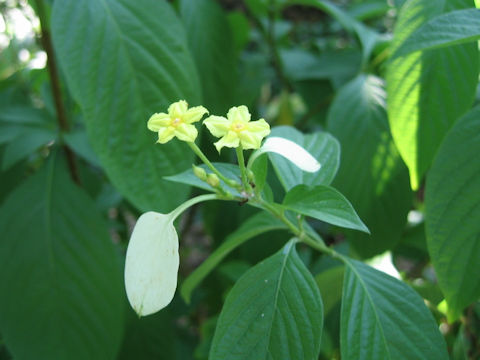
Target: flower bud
<point x="199" y="172"/>
<point x="213" y="180"/>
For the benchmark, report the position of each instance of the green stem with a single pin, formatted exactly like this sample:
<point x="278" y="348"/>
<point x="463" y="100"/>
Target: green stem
<point x="243" y="170"/>
<point x="207" y="162"/>
<point x="302" y="236"/>
<point x="175" y="213"/>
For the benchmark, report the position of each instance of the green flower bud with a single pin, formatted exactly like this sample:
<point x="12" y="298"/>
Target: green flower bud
<point x="250" y="175"/>
<point x="199" y="173"/>
<point x="213" y="180"/>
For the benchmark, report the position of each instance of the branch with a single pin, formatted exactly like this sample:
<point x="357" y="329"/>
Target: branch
<point x="55" y="82"/>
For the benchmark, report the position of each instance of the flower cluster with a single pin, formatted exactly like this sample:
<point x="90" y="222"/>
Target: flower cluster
<point x="235" y="130"/>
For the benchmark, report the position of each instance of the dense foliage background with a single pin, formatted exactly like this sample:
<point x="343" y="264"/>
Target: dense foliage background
<point x="395" y="82"/>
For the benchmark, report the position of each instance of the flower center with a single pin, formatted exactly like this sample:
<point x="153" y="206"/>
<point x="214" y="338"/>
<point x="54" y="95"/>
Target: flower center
<point x="175" y="122"/>
<point x="238" y="126"/>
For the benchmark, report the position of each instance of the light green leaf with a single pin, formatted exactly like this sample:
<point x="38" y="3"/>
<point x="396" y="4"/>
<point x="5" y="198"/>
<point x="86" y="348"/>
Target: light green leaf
<point x="273" y="310"/>
<point x="420" y="109"/>
<point x="59" y="273"/>
<point x="453" y="212"/>
<point x="133" y="61"/>
<point x="372" y="175"/>
<point x="323" y="203"/>
<point x="456" y="27"/>
<point x="211" y="42"/>
<point x="323" y="147"/>
<point x="151" y="264"/>
<point x="383" y="318"/>
<point x="255" y="225"/>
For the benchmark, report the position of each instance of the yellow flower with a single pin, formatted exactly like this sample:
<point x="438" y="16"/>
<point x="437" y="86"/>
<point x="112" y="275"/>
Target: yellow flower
<point x="178" y="122"/>
<point x="237" y="129"/>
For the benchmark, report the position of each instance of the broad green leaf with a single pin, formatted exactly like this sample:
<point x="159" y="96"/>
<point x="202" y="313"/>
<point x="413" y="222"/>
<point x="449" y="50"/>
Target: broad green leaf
<point x="383" y="318"/>
<point x="368" y="10"/>
<point x="372" y="175"/>
<point x="211" y="42"/>
<point x="59" y="273"/>
<point x="323" y="203"/>
<point x="273" y="310"/>
<point x="255" y="225"/>
<point x="324" y="147"/>
<point x="133" y="61"/>
<point x="151" y="264"/>
<point x="149" y="338"/>
<point x="78" y="141"/>
<point x="420" y="108"/>
<point x="456" y="27"/>
<point x="453" y="212"/>
<point x="188" y="177"/>
<point x="330" y="283"/>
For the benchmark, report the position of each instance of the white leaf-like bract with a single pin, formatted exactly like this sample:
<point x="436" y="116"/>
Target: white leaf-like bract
<point x="291" y="151"/>
<point x="151" y="265"/>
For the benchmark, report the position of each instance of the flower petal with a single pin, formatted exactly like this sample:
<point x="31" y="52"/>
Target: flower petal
<point x="157" y="121"/>
<point x="217" y="125"/>
<point x="165" y="134"/>
<point x="259" y="127"/>
<point x="151" y="264"/>
<point x="186" y="132"/>
<point x="178" y="108"/>
<point x="194" y="114"/>
<point x="250" y="140"/>
<point x="239" y="113"/>
<point x="230" y="140"/>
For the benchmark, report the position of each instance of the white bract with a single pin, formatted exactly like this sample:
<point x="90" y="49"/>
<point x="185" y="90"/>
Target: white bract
<point x="151" y="264"/>
<point x="291" y="151"/>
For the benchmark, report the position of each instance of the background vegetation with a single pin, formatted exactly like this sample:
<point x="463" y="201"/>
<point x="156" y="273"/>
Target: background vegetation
<point x="395" y="82"/>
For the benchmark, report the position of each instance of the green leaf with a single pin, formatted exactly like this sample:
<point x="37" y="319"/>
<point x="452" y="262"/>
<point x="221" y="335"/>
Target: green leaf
<point x="367" y="36"/>
<point x="420" y="109"/>
<point x="59" y="274"/>
<point x="78" y="141"/>
<point x="273" y="310"/>
<point x="330" y="283"/>
<point x="453" y="212"/>
<point x="26" y="143"/>
<point x="383" y="318"/>
<point x="324" y="147"/>
<point x="255" y="225"/>
<point x="133" y="62"/>
<point x="456" y="27"/>
<point x="188" y="177"/>
<point x="212" y="45"/>
<point x="323" y="203"/>
<point x="372" y="175"/>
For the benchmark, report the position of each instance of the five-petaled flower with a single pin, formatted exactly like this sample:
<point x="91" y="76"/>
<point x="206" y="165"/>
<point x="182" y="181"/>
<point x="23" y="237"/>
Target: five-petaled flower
<point x="178" y="122"/>
<point x="237" y="129"/>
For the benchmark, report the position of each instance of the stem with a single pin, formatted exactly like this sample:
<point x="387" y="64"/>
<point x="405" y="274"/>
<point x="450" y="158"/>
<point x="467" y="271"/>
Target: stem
<point x="55" y="82"/>
<point x="175" y="213"/>
<point x="243" y="170"/>
<point x="302" y="236"/>
<point x="207" y="162"/>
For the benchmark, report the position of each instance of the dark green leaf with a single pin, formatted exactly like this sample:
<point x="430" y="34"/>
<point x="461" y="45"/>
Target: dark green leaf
<point x="78" y="141"/>
<point x="324" y="203"/>
<point x="273" y="310"/>
<point x="383" y="318"/>
<point x="372" y="175"/>
<point x="211" y="42"/>
<point x="59" y="273"/>
<point x="133" y="61"/>
<point x="420" y="109"/>
<point x="453" y="213"/>
<point x="323" y="147"/>
<point x="456" y="27"/>
<point x="256" y="225"/>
